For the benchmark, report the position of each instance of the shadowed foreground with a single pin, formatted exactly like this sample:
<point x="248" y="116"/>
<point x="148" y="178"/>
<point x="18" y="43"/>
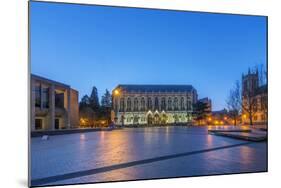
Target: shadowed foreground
<point x="141" y="153"/>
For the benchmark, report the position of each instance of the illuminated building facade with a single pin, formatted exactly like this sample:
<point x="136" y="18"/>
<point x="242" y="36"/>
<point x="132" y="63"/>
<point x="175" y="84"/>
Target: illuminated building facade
<point x="54" y="105"/>
<point x="153" y="104"/>
<point x="254" y="97"/>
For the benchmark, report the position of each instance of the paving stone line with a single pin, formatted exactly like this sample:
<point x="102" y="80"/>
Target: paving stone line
<point x="51" y="179"/>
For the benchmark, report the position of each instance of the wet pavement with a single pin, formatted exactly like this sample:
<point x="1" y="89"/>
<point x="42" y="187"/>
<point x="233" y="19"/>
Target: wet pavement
<point x="141" y="153"/>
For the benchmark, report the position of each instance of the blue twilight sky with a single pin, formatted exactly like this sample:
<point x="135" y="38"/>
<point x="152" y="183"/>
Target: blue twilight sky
<point x="86" y="46"/>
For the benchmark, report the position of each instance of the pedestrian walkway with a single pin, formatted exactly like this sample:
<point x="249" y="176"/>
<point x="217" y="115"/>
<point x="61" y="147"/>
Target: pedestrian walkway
<point x="141" y="153"/>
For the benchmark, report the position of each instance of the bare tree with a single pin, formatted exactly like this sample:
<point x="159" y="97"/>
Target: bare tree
<point x="234" y="102"/>
<point x="238" y="101"/>
<point x="263" y="84"/>
<point x="249" y="104"/>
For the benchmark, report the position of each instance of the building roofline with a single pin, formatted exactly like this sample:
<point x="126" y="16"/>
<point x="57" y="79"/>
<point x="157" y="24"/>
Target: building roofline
<point x="151" y="87"/>
<point x="205" y="98"/>
<point x="33" y="76"/>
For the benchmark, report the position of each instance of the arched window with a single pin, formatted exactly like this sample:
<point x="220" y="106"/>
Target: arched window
<point x="129" y="105"/>
<point x="149" y="103"/>
<point x="182" y="103"/>
<point x="169" y="103"/>
<point x="142" y="104"/>
<point x="163" y="103"/>
<point x="156" y="104"/>
<point x="122" y="105"/>
<point x="176" y="107"/>
<point x="136" y="104"/>
<point x="188" y="105"/>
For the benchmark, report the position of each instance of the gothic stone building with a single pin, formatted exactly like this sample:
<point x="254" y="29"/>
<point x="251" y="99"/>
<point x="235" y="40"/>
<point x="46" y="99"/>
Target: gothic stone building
<point x="254" y="97"/>
<point x="153" y="104"/>
<point x="54" y="105"/>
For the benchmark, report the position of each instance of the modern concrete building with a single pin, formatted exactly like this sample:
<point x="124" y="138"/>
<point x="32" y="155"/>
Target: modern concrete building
<point x="153" y="104"/>
<point x="54" y="105"/>
<point x="208" y="102"/>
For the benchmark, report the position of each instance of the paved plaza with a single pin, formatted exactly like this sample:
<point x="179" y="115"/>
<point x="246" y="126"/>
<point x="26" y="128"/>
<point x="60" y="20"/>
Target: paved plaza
<point x="141" y="153"/>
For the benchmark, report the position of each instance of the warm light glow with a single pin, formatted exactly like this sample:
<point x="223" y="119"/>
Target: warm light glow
<point x="83" y="121"/>
<point x="221" y="122"/>
<point x="216" y="122"/>
<point x="225" y="118"/>
<point x="244" y="116"/>
<point x="233" y="121"/>
<point x="116" y="92"/>
<point x="209" y="119"/>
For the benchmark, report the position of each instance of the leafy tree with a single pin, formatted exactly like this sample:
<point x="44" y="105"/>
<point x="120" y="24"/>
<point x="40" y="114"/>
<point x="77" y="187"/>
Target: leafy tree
<point x="106" y="99"/>
<point x="94" y="99"/>
<point x="89" y="108"/>
<point x="234" y="102"/>
<point x="200" y="111"/>
<point x="87" y="116"/>
<point x="106" y="104"/>
<point x="85" y="102"/>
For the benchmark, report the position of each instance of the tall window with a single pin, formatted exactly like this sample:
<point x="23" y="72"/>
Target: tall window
<point x="142" y="104"/>
<point x="129" y="104"/>
<point x="38" y="95"/>
<point x="176" y="104"/>
<point x="163" y="103"/>
<point x="149" y="103"/>
<point x="59" y="100"/>
<point x="188" y="105"/>
<point x="156" y="104"/>
<point x="169" y="103"/>
<point x="122" y="105"/>
<point x="38" y="124"/>
<point x="45" y="97"/>
<point x="136" y="104"/>
<point x="182" y="103"/>
<point x="255" y="117"/>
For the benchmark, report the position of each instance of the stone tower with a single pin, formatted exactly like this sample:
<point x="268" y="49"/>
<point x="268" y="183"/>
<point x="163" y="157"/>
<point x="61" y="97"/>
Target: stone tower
<point x="250" y="82"/>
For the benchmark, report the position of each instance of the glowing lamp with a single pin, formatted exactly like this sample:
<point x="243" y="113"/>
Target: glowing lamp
<point x="116" y="92"/>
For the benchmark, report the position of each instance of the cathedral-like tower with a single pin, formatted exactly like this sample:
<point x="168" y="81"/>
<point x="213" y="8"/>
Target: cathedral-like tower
<point x="250" y="82"/>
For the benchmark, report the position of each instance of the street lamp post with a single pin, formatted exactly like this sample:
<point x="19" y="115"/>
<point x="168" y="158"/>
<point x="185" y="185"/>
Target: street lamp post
<point x="116" y="93"/>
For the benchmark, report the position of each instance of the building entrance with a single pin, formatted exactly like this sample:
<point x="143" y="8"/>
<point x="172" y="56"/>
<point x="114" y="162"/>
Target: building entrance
<point x="149" y="119"/>
<point x="57" y="123"/>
